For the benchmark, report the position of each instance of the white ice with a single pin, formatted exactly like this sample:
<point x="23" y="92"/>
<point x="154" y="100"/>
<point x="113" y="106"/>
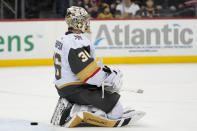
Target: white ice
<point x="170" y="97"/>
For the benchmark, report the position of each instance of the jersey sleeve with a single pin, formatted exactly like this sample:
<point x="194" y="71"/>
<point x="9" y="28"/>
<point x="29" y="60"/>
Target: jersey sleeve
<point x="84" y="66"/>
<point x="92" y="52"/>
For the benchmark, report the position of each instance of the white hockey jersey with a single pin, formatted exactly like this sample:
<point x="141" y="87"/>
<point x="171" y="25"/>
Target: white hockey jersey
<point x="75" y="62"/>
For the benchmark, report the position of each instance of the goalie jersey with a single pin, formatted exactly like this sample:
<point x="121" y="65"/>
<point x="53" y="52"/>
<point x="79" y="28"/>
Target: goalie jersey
<point x="75" y="64"/>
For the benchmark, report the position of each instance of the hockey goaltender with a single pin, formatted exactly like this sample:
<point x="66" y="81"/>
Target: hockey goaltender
<point x="89" y="91"/>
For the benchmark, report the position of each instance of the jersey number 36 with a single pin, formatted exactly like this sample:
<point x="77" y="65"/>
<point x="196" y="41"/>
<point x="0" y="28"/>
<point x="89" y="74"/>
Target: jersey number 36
<point x="58" y="67"/>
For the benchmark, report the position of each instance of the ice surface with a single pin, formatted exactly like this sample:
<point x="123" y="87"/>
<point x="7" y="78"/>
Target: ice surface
<point x="169" y="99"/>
<point x="21" y="125"/>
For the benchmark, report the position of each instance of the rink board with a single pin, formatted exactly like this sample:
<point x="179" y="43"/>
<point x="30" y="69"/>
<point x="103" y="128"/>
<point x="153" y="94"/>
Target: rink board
<point x="31" y="43"/>
<point x="107" y="60"/>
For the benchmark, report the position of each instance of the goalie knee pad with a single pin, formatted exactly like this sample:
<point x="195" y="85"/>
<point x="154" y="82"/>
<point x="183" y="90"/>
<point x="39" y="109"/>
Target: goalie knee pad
<point x="84" y="108"/>
<point x="116" y="112"/>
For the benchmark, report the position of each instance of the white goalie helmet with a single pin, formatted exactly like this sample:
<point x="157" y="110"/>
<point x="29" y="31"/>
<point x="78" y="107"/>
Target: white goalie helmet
<point x="78" y="18"/>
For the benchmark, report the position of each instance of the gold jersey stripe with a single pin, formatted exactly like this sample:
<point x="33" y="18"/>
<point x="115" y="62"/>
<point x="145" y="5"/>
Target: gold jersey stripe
<point x="88" y="71"/>
<point x="69" y="84"/>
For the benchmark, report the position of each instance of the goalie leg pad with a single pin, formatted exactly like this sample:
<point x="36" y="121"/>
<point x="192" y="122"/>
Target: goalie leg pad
<point x="61" y="112"/>
<point x="90" y="119"/>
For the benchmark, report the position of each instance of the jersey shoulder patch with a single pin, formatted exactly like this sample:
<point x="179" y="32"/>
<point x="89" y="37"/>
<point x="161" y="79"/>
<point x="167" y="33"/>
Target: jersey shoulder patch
<point x="81" y="63"/>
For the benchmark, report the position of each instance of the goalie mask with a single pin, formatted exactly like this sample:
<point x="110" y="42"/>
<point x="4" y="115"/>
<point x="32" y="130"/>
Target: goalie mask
<point x="78" y="18"/>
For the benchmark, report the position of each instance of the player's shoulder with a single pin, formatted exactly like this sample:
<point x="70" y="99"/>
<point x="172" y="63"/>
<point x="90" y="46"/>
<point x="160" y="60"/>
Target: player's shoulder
<point x="65" y="40"/>
<point x="73" y="40"/>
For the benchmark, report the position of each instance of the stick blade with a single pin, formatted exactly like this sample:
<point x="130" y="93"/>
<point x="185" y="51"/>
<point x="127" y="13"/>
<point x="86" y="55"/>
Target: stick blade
<point x="140" y="91"/>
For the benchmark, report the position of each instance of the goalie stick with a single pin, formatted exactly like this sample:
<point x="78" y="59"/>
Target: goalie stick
<point x="140" y="91"/>
<point x="134" y="90"/>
